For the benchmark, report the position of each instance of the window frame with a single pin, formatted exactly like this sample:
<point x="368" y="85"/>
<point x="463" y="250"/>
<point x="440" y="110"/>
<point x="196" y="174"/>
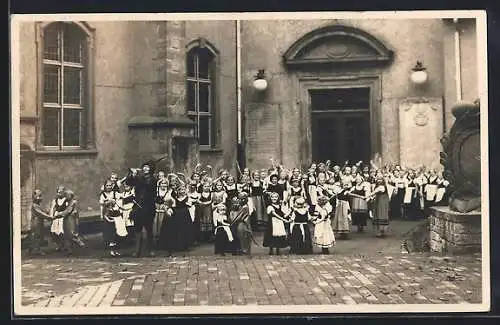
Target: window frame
<point x="87" y="141"/>
<point x="213" y="113"/>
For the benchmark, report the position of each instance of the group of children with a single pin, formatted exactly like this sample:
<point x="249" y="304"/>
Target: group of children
<point x="294" y="208"/>
<point x="64" y="218"/>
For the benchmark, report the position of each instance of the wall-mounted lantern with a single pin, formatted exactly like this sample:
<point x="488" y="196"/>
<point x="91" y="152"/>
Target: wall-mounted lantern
<point x="419" y="74"/>
<point x="260" y="82"/>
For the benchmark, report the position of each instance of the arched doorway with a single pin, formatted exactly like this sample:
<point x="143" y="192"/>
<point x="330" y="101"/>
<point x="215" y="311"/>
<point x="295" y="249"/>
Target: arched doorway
<point x="337" y="72"/>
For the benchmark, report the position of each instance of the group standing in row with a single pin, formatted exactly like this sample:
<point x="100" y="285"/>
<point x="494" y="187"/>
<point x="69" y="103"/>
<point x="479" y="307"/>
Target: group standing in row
<point x="294" y="208"/>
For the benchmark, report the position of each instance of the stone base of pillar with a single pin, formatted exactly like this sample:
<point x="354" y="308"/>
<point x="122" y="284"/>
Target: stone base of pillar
<point x="455" y="232"/>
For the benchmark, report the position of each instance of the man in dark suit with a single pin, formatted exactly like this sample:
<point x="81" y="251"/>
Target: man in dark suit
<point x="145" y="210"/>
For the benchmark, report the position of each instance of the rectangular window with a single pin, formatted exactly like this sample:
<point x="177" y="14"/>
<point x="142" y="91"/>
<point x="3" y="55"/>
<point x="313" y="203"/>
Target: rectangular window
<point x="200" y="85"/>
<point x="63" y="86"/>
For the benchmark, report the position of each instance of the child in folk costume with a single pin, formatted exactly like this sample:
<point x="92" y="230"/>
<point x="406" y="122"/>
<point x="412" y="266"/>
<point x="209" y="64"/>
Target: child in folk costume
<point x="38" y="217"/>
<point x="196" y="181"/>
<point x="323" y="232"/>
<point x="295" y="191"/>
<point x="359" y="204"/>
<point x="295" y="173"/>
<point x="411" y="200"/>
<point x="176" y="233"/>
<point x="70" y="218"/>
<point x="275" y="235"/>
<point x="163" y="202"/>
<point x="397" y="182"/>
<point x="223" y="176"/>
<point x="194" y="196"/>
<point x="224" y="239"/>
<point x="161" y="177"/>
<point x="337" y="175"/>
<point x="110" y="214"/>
<point x="430" y="190"/>
<point x="256" y="193"/>
<point x="283" y="180"/>
<point x="380" y="197"/>
<point x="273" y="187"/>
<point x="204" y="213"/>
<point x="246" y="173"/>
<point x="442" y="193"/>
<point x="343" y="219"/>
<point x="264" y="177"/>
<point x="231" y="189"/>
<point x="300" y="239"/>
<point x="322" y="189"/>
<point x="310" y="185"/>
<point x="128" y="204"/>
<point x="421" y="181"/>
<point x="245" y="187"/>
<point x="347" y="176"/>
<point x="219" y="195"/>
<point x="59" y="204"/>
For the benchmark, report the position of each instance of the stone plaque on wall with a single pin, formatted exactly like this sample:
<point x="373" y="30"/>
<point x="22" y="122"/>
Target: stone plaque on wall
<point x="420" y="130"/>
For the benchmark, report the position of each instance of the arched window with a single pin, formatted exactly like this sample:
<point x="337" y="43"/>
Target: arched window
<point x="64" y="90"/>
<point x="201" y="92"/>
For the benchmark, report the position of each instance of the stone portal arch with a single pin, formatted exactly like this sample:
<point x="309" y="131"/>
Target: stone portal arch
<point x="337" y="44"/>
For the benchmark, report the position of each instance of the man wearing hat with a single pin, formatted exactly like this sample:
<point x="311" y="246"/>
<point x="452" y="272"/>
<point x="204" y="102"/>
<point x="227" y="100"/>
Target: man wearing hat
<point x="144" y="213"/>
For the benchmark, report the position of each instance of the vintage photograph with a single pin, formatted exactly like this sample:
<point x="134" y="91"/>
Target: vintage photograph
<point x="250" y="163"/>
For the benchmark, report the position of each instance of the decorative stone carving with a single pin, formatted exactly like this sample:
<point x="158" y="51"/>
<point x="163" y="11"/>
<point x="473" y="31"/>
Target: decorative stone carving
<point x="337" y="44"/>
<point x="420" y="122"/>
<point x="461" y="157"/>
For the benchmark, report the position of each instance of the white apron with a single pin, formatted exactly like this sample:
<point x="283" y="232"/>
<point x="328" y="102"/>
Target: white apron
<point x="278" y="227"/>
<point x="408" y="195"/>
<point x="227" y="230"/>
<point x="323" y="232"/>
<point x="57" y="226"/>
<point x="120" y="226"/>
<point x="430" y="191"/>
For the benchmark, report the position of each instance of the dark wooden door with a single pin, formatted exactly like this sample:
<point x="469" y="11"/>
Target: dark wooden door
<point x="340" y="126"/>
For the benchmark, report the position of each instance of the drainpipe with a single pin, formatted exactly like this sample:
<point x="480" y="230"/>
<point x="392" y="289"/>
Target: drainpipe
<point x="458" y="68"/>
<point x="240" y="150"/>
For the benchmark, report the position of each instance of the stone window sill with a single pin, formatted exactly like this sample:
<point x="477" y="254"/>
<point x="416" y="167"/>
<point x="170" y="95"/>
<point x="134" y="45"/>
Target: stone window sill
<point x="211" y="150"/>
<point x="67" y="152"/>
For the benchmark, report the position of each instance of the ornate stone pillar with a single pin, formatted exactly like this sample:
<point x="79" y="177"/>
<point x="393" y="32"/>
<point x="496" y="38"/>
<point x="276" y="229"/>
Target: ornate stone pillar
<point x="160" y="126"/>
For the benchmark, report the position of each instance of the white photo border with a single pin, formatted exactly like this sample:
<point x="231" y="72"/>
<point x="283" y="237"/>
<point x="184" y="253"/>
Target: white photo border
<point x="479" y="15"/>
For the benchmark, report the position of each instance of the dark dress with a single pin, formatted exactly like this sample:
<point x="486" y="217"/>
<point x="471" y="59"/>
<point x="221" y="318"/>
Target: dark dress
<point x="232" y="192"/>
<point x="222" y="244"/>
<point x="278" y="188"/>
<point x="432" y="181"/>
<point x="381" y="209"/>
<point x="270" y="240"/>
<point x="359" y="208"/>
<point x="446" y="197"/>
<point x="300" y="241"/>
<point x="256" y="193"/>
<point x="412" y="210"/>
<point x="176" y="233"/>
<point x="109" y="230"/>
<point x="396" y="201"/>
<point x="204" y="215"/>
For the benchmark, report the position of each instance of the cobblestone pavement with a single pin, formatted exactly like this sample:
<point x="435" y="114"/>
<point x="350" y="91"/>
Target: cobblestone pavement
<point x="376" y="274"/>
<point x="274" y="280"/>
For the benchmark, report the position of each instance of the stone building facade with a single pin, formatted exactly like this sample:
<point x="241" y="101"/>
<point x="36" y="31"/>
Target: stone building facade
<point x="98" y="97"/>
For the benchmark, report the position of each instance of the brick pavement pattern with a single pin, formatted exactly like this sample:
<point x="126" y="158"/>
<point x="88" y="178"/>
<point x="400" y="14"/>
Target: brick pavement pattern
<point x="258" y="280"/>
